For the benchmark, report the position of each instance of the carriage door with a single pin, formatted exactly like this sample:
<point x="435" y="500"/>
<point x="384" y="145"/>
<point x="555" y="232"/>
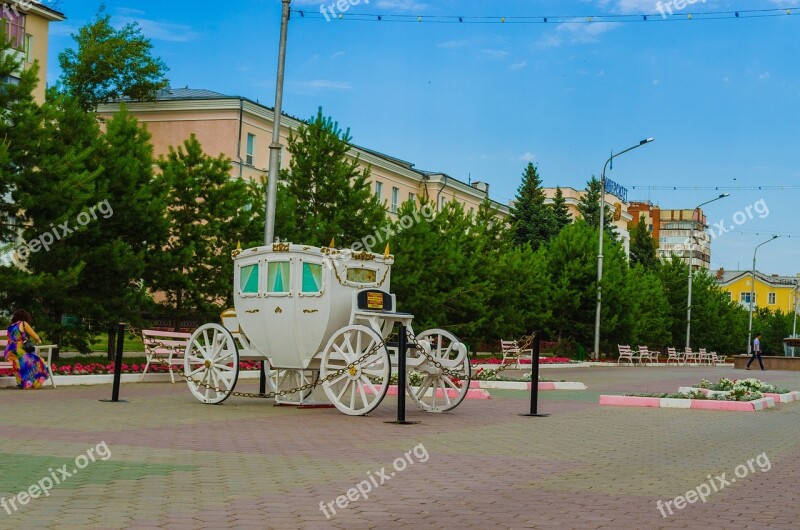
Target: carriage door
<point x="278" y="311"/>
<point x="313" y="309"/>
<point x="248" y="290"/>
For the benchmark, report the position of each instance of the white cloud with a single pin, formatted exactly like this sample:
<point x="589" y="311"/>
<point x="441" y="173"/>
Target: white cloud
<point x="338" y="54"/>
<point x="163" y="31"/>
<point x="493" y="53"/>
<point x="764" y="76"/>
<point x="519" y="65"/>
<point x="323" y="84"/>
<point x="528" y="157"/>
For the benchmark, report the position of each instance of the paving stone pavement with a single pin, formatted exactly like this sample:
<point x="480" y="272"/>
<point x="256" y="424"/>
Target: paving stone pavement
<point x="175" y="463"/>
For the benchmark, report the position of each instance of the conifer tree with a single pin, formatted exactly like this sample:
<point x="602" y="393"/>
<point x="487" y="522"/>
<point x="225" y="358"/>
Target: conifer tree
<point x="560" y="211"/>
<point x="533" y="221"/>
<point x="589" y="208"/>
<point x="643" y="247"/>
<point x="330" y="192"/>
<point x="208" y="214"/>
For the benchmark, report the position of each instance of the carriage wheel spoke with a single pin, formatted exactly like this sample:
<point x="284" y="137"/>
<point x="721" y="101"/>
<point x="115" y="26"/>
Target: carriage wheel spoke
<point x="344" y="389"/>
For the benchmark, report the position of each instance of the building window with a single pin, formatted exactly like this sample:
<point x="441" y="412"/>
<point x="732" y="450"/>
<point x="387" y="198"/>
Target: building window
<point x="745" y="298"/>
<point x="251" y="147"/>
<point x="378" y="188"/>
<point x="730" y="295"/>
<point x="771" y="300"/>
<point x="395" y="197"/>
<point x="29" y="48"/>
<point x="444" y="202"/>
<point x="14" y="24"/>
<point x="412" y="198"/>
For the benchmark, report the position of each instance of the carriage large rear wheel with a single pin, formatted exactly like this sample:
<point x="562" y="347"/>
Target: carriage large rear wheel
<point x="211" y="363"/>
<point x="360" y="388"/>
<point x="438" y="391"/>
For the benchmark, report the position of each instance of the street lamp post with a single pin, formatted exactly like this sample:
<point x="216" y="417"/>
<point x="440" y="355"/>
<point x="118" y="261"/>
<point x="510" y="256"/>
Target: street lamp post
<point x="752" y="291"/>
<point x="600" y="251"/>
<point x="689" y="300"/>
<point x="275" y="146"/>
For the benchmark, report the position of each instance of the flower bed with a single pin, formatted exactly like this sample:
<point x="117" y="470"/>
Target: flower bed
<point x="683" y="401"/>
<point x="726" y="387"/>
<point x="108" y="368"/>
<point x="542" y="360"/>
<point x="489" y="374"/>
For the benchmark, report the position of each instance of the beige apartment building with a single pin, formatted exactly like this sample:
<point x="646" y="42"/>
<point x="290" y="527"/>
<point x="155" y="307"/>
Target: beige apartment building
<point x="622" y="217"/>
<point x="27" y="26"/>
<point x="241" y="129"/>
<point x="678" y="233"/>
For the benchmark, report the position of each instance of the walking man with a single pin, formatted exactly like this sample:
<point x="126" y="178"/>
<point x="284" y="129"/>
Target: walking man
<point x="756" y="352"/>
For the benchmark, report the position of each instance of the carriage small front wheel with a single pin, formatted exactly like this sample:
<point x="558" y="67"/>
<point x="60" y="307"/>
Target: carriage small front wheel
<point x="360" y="388"/>
<point x="211" y="363"/>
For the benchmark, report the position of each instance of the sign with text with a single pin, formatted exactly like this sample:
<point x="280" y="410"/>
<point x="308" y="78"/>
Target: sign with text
<point x="617" y="190"/>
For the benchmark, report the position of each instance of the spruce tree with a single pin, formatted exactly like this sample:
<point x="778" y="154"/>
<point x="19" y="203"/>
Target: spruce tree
<point x="560" y="211"/>
<point x="644" y="249"/>
<point x="330" y="192"/>
<point x="589" y="208"/>
<point x="533" y="221"/>
<point x="208" y="213"/>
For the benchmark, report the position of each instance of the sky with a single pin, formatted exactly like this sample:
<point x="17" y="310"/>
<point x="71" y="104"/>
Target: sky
<point x="480" y="101"/>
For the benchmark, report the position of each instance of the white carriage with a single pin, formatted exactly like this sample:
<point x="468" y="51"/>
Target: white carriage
<point x="311" y="312"/>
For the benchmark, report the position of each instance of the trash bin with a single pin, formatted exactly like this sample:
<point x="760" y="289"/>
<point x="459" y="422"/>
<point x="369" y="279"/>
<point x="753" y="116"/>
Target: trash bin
<point x="581" y="355"/>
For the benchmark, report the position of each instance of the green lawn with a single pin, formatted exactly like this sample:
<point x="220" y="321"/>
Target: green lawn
<point x="132" y="343"/>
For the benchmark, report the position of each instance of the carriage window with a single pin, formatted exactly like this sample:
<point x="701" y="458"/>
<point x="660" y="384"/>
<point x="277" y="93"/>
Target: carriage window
<point x="361" y="275"/>
<point x="278" y="277"/>
<point x="312" y="277"/>
<point x="248" y="279"/>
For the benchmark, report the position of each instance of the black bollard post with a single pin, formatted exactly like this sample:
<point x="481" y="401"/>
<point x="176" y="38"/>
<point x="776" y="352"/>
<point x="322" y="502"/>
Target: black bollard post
<point x="535" y="377"/>
<point x="262" y="385"/>
<point x="112" y="333"/>
<point x="120" y="331"/>
<point x="402" y="349"/>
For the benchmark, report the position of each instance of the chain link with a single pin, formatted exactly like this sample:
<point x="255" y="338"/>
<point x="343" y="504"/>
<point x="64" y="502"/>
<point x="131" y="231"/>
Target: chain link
<point x="523" y="342"/>
<point x="269" y="395"/>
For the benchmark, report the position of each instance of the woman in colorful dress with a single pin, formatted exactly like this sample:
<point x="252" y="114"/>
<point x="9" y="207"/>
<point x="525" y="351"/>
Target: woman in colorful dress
<point x="28" y="367"/>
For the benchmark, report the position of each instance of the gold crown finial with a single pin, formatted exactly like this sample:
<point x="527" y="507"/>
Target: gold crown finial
<point x="386" y="252"/>
<point x="332" y="243"/>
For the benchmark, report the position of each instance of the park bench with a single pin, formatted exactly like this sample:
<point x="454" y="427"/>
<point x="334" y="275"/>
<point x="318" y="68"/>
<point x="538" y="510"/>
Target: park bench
<point x="625" y="353"/>
<point x="704" y="357"/>
<point x="511" y="350"/>
<point x="168" y="345"/>
<point x="644" y="355"/>
<point x="673" y="355"/>
<point x="45" y="351"/>
<point x="689" y="356"/>
<point x="718" y="360"/>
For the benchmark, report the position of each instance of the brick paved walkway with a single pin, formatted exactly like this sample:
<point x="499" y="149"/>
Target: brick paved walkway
<point x="176" y="463"/>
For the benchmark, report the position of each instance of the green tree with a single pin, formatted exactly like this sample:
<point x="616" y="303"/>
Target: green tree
<point x="208" y="213"/>
<point x="643" y="247"/>
<point x="572" y="267"/>
<point x="589" y="207"/>
<point x="650" y="315"/>
<point x="111" y="64"/>
<point x="532" y="220"/>
<point x="560" y="211"/>
<point x="330" y="192"/>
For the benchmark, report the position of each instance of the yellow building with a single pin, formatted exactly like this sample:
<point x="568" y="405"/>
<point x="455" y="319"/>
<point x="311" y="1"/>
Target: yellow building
<point x="241" y="129"/>
<point x="27" y="26"/>
<point x="773" y="292"/>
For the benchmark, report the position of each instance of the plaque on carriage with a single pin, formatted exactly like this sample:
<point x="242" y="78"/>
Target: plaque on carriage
<point x="375" y="301"/>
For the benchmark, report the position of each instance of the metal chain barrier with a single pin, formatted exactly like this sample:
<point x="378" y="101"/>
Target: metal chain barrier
<point x="269" y="395"/>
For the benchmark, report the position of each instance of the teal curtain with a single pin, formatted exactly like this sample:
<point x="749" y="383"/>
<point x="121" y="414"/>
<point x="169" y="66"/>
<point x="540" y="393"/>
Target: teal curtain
<point x="278" y="277"/>
<point x="249" y="279"/>
<point x="312" y="278"/>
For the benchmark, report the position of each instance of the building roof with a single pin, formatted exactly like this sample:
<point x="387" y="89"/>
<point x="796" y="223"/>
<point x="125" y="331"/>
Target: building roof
<point x="40" y="8"/>
<point x="728" y="277"/>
